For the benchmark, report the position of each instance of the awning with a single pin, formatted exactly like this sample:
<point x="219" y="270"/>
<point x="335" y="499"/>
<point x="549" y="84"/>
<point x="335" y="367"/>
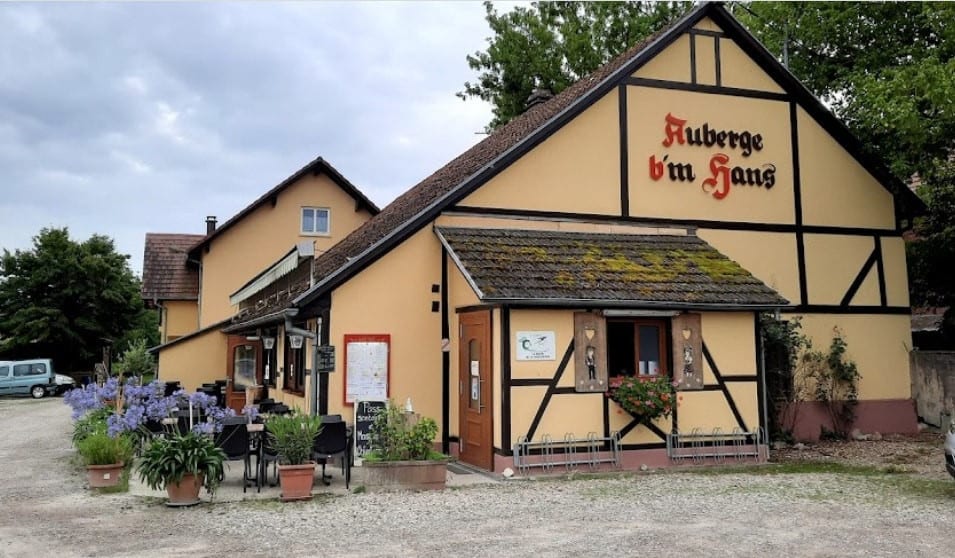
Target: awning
<point x="561" y="268"/>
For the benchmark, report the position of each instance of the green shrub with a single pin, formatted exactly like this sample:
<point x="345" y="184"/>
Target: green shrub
<point x="397" y="436"/>
<point x="293" y="436"/>
<point x="98" y="448"/>
<point x="166" y="459"/>
<point x="91" y="422"/>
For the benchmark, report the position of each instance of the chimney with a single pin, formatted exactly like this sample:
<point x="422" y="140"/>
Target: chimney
<point x="537" y="97"/>
<point x="210" y="224"/>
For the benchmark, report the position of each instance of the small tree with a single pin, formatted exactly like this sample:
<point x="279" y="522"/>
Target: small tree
<point x="135" y="361"/>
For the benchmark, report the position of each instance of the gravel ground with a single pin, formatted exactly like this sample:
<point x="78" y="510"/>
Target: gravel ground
<point x="46" y="508"/>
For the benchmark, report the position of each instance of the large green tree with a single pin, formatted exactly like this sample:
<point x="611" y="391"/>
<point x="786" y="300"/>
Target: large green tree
<point x="550" y="45"/>
<point x="886" y="69"/>
<point x="65" y="300"/>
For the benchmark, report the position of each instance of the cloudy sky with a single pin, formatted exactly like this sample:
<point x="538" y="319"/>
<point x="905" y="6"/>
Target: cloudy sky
<point x="124" y="118"/>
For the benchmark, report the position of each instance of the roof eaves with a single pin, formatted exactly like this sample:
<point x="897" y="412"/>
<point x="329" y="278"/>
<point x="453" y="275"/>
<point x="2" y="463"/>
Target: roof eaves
<point x="316" y="166"/>
<point x="635" y="304"/>
<point x="494" y="166"/>
<point x="189" y="336"/>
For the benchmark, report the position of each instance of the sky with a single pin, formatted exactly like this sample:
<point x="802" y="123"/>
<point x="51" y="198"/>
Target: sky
<point x="127" y="118"/>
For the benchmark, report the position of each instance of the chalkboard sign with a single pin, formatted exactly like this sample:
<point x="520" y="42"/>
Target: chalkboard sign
<point x="365" y="413"/>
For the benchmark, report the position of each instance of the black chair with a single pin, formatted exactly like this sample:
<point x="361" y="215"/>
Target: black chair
<point x="333" y="442"/>
<point x="267" y="455"/>
<point x="234" y="442"/>
<point x="280" y="409"/>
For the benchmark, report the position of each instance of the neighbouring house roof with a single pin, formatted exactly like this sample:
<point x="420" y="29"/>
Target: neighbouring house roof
<point x="557" y="267"/>
<point x="927" y="319"/>
<point x="317" y="166"/>
<point x="192" y="335"/>
<point x="165" y="273"/>
<point x="422" y="203"/>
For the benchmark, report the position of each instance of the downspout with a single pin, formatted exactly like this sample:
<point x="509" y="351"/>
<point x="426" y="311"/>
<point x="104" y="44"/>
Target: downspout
<point x="289" y="328"/>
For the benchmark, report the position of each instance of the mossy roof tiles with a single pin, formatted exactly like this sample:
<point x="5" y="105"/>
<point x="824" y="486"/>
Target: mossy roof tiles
<point x="566" y="267"/>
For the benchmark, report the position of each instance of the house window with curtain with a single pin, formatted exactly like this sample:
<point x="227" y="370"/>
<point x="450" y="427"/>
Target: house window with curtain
<point x="637" y="348"/>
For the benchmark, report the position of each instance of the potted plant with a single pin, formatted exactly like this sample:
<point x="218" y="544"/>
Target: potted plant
<point x="645" y="397"/>
<point x="292" y="437"/>
<point x="105" y="457"/>
<point x="402" y="453"/>
<point x="182" y="463"/>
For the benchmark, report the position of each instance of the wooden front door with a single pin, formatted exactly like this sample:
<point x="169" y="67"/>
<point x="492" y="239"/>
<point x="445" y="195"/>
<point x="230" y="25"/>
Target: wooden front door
<point x="244" y="370"/>
<point x="474" y="390"/>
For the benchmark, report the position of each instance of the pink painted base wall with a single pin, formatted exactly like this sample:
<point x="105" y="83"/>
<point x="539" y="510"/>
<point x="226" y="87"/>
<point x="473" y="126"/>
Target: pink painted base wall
<point x="886" y="416"/>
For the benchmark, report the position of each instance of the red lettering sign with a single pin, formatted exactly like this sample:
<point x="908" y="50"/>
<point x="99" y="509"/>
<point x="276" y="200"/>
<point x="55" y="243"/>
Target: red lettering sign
<point x="674" y="131"/>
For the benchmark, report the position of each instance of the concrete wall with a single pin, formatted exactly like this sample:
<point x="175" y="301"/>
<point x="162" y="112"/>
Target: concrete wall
<point x="933" y="385"/>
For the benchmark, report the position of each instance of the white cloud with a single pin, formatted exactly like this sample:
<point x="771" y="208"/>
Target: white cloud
<point x="125" y="118"/>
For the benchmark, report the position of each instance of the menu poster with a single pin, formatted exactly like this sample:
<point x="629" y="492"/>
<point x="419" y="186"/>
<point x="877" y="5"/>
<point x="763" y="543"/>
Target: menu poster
<point x="367" y="367"/>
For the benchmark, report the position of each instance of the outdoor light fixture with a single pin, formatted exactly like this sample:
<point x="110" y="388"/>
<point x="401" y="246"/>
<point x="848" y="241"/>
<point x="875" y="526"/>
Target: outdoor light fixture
<point x="296" y="341"/>
<point x="268" y="343"/>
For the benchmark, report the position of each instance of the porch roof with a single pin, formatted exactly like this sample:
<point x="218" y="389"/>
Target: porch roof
<point x="575" y="268"/>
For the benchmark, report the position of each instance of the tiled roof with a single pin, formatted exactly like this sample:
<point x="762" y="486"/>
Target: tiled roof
<point x="566" y="267"/>
<point x="165" y="273"/>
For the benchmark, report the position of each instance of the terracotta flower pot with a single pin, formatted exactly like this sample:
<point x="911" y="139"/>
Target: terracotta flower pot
<point x="184" y="492"/>
<point x="296" y="481"/>
<point x="102" y="476"/>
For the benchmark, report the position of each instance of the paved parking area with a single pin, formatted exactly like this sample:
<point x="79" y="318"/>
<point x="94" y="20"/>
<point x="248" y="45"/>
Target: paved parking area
<point x="47" y="510"/>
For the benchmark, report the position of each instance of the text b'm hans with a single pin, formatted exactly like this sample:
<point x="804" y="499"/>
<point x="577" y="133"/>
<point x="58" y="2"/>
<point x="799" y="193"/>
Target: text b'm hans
<point x="722" y="173"/>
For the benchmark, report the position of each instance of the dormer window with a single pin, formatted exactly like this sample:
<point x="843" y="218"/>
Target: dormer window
<point x="315" y="221"/>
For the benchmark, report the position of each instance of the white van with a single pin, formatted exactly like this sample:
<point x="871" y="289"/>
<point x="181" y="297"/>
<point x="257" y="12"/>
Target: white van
<point x="22" y="377"/>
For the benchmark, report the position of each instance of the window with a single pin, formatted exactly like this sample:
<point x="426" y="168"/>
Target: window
<point x="636" y="347"/>
<point x="4" y="371"/>
<point x="20" y="370"/>
<point x="315" y="220"/>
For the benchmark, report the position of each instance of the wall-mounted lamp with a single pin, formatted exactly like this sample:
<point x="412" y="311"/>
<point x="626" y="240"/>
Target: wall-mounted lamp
<point x="268" y="343"/>
<point x="296" y="341"/>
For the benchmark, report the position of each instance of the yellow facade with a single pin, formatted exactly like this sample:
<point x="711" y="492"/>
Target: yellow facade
<point x="195" y="361"/>
<point x="263" y="236"/>
<point x="393" y="296"/>
<point x="833" y="181"/>
<point x="575" y="167"/>
<point x="180" y="317"/>
<point x="878" y="344"/>
<point x="650" y="145"/>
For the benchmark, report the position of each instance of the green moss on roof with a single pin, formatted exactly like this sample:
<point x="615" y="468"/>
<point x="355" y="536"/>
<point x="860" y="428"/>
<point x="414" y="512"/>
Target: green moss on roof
<point x="527" y="264"/>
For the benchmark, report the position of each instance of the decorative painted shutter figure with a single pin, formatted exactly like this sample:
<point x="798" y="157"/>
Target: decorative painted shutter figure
<point x="590" y="352"/>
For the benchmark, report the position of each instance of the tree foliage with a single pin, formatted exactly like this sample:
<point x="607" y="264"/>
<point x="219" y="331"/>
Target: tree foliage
<point x="550" y="45"/>
<point x="64" y="299"/>
<point x="886" y="69"/>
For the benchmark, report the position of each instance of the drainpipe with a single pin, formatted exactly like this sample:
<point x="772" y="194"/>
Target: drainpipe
<point x="289" y="328"/>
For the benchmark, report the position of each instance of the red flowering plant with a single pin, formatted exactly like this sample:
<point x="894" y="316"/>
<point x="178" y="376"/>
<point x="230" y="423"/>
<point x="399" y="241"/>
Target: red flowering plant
<point x="645" y="397"/>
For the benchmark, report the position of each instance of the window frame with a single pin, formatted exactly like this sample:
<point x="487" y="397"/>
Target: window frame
<point x="315" y="210"/>
<point x="663" y="327"/>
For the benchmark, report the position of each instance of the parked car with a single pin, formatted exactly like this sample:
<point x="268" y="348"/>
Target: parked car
<point x="64" y="383"/>
<point x="21" y="377"/>
<point x="950" y="450"/>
